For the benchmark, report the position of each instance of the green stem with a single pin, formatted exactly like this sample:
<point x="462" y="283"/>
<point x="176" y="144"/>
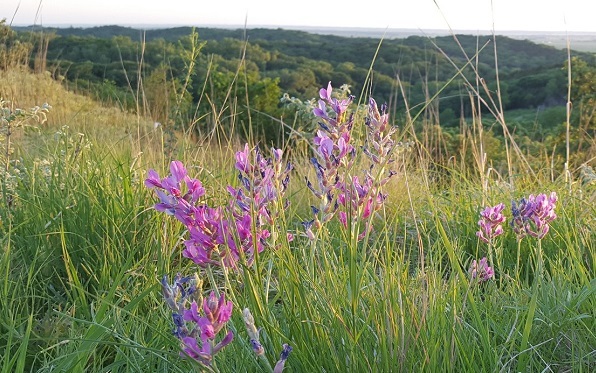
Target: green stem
<point x="490" y="253"/>
<point x="522" y="364"/>
<point x="227" y="282"/>
<point x="353" y="276"/>
<point x="517" y="259"/>
<point x="266" y="363"/>
<point x="212" y="279"/>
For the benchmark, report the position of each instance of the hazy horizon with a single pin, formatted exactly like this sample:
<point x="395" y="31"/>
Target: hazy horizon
<point x="467" y="15"/>
<point x="157" y="26"/>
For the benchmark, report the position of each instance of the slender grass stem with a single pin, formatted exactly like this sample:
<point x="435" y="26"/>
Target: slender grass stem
<point x="524" y="357"/>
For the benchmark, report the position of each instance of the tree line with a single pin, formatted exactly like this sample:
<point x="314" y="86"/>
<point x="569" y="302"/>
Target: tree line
<point x="243" y="73"/>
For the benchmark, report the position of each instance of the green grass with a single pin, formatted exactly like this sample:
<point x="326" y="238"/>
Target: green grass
<point x="82" y="253"/>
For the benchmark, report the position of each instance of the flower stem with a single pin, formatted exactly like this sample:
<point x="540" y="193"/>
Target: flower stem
<point x="524" y="355"/>
<point x="212" y="279"/>
<point x="517" y="260"/>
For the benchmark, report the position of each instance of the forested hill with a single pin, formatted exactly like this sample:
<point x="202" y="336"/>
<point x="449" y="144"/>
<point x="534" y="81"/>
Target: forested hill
<point x="514" y="54"/>
<point x="277" y="61"/>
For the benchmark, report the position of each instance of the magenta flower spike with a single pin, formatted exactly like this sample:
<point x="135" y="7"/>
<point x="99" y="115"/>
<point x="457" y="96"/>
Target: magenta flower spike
<point x="379" y="132"/>
<point x="532" y="216"/>
<point x="543" y="214"/>
<point x="333" y="152"/>
<point x="481" y="270"/>
<point x="170" y="192"/>
<point x="216" y="313"/>
<point x="336" y="188"/>
<point x="242" y="161"/>
<point x="252" y="205"/>
<point x="338" y="106"/>
<point x="207" y="233"/>
<point x="490" y="222"/>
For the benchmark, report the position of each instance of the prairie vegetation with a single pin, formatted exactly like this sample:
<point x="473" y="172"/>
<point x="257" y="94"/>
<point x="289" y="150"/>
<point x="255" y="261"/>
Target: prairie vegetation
<point x="386" y="273"/>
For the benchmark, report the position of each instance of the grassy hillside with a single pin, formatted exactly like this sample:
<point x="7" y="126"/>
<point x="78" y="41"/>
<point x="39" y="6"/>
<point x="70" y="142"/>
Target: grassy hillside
<point x="376" y="238"/>
<point x="83" y="254"/>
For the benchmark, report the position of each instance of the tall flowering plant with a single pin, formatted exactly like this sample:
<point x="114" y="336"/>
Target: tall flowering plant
<point x="490" y="223"/>
<point x="219" y="236"/>
<point x="353" y="198"/>
<point x="213" y="238"/>
<point x="532" y="217"/>
<point x="254" y="204"/>
<point x="481" y="271"/>
<point x="197" y="329"/>
<point x="491" y="220"/>
<point x="334" y="154"/>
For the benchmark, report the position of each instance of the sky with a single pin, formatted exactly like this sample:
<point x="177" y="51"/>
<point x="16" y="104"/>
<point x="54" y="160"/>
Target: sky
<point x="473" y="15"/>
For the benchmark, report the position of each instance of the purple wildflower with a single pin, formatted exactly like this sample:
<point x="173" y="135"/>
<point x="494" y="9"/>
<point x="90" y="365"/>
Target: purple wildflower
<point x="253" y="332"/>
<point x="170" y="192"/>
<point x="205" y="352"/>
<point x="533" y="215"/>
<point x="213" y="238"/>
<point x="253" y="207"/>
<point x="334" y="152"/>
<point x="216" y="313"/>
<point x="481" y="270"/>
<point x="490" y="222"/>
<point x="177" y="297"/>
<point x="178" y="293"/>
<point x="242" y="162"/>
<point x="285" y="352"/>
<point x="207" y="233"/>
<point x="379" y="132"/>
<point x="339" y="106"/>
<point x="335" y="155"/>
<point x="325" y="94"/>
<point x="191" y="348"/>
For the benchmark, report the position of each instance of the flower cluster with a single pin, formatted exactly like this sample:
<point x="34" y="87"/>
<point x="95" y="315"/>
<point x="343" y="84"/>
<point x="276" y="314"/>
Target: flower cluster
<point x="216" y="240"/>
<point x="253" y="205"/>
<point x="481" y="270"/>
<point x="179" y="197"/>
<point x="379" y="132"/>
<point x="533" y="215"/>
<point x="170" y="192"/>
<point x="217" y="313"/>
<point x="490" y="222"/>
<point x="336" y="188"/>
<point x="192" y="327"/>
<point x="335" y="152"/>
<point x="213" y="239"/>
